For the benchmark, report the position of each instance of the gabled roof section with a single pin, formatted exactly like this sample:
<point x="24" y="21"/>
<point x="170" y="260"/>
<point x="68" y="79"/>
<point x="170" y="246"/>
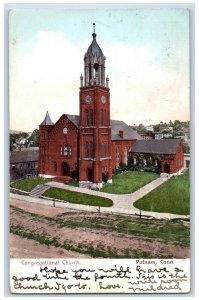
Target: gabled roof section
<point x="74" y="119"/>
<point x="47" y="120"/>
<point x="128" y="132"/>
<point x="116" y="126"/>
<point x="166" y="146"/>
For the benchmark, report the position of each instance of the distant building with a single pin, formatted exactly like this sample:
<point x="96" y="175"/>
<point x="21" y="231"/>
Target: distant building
<point x="24" y="163"/>
<point x="170" y="152"/>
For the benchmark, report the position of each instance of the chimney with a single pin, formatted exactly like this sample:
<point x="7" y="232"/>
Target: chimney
<point x="121" y="133"/>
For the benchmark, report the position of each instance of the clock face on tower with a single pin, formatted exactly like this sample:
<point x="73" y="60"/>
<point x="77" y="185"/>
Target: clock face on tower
<point x="88" y="99"/>
<point x="65" y="130"/>
<point x="103" y="99"/>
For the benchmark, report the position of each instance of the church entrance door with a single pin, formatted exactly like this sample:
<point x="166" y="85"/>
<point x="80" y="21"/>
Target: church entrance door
<point x="166" y="168"/>
<point x="90" y="175"/>
<point x="65" y="169"/>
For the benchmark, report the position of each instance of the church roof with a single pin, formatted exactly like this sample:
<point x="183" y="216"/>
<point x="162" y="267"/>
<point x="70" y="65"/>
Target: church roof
<point x="128" y="132"/>
<point x="74" y="119"/>
<point x="166" y="146"/>
<point x="116" y="126"/>
<point x="47" y="120"/>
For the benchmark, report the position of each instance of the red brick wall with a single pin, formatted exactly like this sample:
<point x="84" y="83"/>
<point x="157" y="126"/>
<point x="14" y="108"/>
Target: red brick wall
<point x="54" y="140"/>
<point x="121" y="144"/>
<point x="176" y="162"/>
<point x="97" y="134"/>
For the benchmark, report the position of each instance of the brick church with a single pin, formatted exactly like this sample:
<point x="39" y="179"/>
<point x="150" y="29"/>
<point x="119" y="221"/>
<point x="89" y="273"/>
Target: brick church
<point x="88" y="146"/>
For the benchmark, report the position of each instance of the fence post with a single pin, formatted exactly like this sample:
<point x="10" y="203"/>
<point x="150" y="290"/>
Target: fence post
<point x="140" y="214"/>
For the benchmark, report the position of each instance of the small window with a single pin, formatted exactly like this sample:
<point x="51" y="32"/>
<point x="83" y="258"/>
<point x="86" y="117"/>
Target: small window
<point x="69" y="151"/>
<point x="134" y="161"/>
<point x="61" y="150"/>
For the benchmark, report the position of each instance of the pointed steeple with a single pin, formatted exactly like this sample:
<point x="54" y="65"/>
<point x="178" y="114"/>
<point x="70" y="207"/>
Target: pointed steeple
<point x="47" y="120"/>
<point x="94" y="64"/>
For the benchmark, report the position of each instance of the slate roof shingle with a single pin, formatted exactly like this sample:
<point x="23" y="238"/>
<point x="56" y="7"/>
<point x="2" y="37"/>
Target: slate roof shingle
<point x="166" y="146"/>
<point x="116" y="126"/>
<point x="24" y="156"/>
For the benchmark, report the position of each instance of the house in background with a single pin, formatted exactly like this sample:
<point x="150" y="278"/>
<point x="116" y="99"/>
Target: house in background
<point x="24" y="163"/>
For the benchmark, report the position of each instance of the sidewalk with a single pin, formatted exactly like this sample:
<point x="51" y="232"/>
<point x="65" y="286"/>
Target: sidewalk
<point x="122" y="204"/>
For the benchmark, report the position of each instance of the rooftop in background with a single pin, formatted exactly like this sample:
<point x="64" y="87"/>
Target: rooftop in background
<point x="24" y="156"/>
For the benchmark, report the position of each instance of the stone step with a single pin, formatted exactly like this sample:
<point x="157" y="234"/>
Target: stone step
<point x="38" y="190"/>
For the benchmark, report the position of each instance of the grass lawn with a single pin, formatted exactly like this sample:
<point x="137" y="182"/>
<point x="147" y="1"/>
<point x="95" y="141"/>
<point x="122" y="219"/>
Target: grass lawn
<point x="29" y="184"/>
<point x="171" y="197"/>
<point x="128" y="182"/>
<point x="78" y="198"/>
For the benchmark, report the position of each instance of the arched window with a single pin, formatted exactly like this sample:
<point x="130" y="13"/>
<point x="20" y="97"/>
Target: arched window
<point x="101" y="117"/>
<point x="87" y="150"/>
<point x="104" y="118"/>
<point x="61" y="150"/>
<point x="65" y="150"/>
<point x="91" y="123"/>
<point x="91" y="150"/>
<point x="87" y="117"/>
<point x="125" y="156"/>
<point x="69" y="151"/>
<point x="105" y="149"/>
<point x="117" y="157"/>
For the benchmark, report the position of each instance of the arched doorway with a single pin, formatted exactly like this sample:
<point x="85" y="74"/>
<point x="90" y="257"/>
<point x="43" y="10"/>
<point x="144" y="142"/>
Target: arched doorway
<point x="166" y="168"/>
<point x="65" y="169"/>
<point x="90" y="174"/>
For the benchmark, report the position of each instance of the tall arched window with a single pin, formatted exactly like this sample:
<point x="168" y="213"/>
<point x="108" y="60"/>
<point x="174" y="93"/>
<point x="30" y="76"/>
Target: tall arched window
<point x="91" y="123"/>
<point x="91" y="150"/>
<point x="125" y="156"/>
<point x="117" y="157"/>
<point x="61" y="150"/>
<point x="65" y="150"/>
<point x="87" y="150"/>
<point x="69" y="151"/>
<point x="101" y="117"/>
<point x="87" y="117"/>
<point x="104" y="118"/>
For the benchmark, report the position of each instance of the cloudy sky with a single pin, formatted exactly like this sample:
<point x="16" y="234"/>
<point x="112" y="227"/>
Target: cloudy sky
<point x="147" y="61"/>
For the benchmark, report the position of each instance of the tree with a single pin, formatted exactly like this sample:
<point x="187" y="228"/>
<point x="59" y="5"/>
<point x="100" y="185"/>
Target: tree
<point x="34" y="138"/>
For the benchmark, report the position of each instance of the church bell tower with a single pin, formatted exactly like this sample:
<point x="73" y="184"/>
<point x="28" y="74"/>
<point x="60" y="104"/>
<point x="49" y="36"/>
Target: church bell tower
<point x="95" y="163"/>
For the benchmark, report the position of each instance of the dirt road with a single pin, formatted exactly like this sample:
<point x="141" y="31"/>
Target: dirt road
<point x="41" y="231"/>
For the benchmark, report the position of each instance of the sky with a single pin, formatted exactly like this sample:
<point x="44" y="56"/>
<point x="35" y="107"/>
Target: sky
<point x="147" y="61"/>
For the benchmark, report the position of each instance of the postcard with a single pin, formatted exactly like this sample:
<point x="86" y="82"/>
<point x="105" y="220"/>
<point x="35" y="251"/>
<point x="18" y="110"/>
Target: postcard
<point x="99" y="151"/>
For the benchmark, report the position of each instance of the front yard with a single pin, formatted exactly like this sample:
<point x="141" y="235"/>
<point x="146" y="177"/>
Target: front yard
<point x="171" y="197"/>
<point x="29" y="184"/>
<point x="129" y="182"/>
<point x="78" y="198"/>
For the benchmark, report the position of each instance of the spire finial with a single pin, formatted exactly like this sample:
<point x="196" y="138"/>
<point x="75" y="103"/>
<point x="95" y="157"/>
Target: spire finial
<point x="93" y="27"/>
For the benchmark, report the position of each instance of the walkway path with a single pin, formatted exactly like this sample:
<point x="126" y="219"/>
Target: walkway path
<point x="122" y="204"/>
